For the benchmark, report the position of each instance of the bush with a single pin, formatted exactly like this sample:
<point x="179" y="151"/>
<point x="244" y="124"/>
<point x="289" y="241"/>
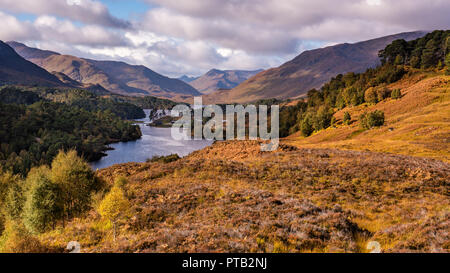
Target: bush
<point x="373" y="119"/>
<point x="396" y="94"/>
<point x="382" y="93"/>
<point x="347" y="118"/>
<point x="370" y="95"/>
<point x="17" y="239"/>
<point x="164" y="159"/>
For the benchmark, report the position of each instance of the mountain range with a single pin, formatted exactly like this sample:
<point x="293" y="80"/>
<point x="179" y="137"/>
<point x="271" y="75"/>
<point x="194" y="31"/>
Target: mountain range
<point x="187" y="79"/>
<point x="311" y="69"/>
<point x="116" y="77"/>
<point x="25" y="65"/>
<point x="215" y="80"/>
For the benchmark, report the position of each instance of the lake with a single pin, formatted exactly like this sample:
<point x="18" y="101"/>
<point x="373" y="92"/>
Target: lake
<point x="154" y="141"/>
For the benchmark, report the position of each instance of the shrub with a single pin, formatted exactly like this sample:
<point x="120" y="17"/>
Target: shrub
<point x="382" y="93"/>
<point x="396" y="94"/>
<point x="373" y="119"/>
<point x="164" y="159"/>
<point x="370" y="95"/>
<point x="347" y="118"/>
<point x="17" y="239"/>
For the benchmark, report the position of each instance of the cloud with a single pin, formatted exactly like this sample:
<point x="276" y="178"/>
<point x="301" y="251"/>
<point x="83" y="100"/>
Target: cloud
<point x="86" y="11"/>
<point x="279" y="26"/>
<point x="13" y="29"/>
<point x="190" y="37"/>
<point x="49" y="28"/>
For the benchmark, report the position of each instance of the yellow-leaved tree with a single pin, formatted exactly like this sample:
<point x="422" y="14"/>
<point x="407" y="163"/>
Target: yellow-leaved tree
<point x="114" y="206"/>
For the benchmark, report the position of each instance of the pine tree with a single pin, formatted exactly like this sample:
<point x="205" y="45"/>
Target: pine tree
<point x="113" y="206"/>
<point x="43" y="206"/>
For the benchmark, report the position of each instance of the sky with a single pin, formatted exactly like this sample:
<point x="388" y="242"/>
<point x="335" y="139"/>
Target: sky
<point x="190" y="37"/>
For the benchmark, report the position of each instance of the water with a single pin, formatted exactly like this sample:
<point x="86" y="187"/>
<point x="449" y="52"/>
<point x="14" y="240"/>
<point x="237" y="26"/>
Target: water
<point x="154" y="141"/>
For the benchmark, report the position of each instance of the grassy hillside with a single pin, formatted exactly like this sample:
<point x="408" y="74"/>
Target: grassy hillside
<point x="416" y="124"/>
<point x="231" y="197"/>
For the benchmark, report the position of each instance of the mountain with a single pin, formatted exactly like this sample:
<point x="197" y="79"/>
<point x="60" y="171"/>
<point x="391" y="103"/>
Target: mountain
<point x="116" y="77"/>
<point x="16" y="70"/>
<point x="187" y="79"/>
<point x="216" y="79"/>
<point x="311" y="69"/>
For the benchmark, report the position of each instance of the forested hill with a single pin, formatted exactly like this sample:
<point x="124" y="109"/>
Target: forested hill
<point x="399" y="59"/>
<point x="35" y="125"/>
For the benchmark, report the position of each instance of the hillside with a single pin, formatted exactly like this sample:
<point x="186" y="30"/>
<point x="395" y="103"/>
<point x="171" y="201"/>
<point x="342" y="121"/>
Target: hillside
<point x="215" y="80"/>
<point x="416" y="124"/>
<point x="116" y="77"/>
<point x="291" y="200"/>
<point x="311" y="69"/>
<point x="16" y="70"/>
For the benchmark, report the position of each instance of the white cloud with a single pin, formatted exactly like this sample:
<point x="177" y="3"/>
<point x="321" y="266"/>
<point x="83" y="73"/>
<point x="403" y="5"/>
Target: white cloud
<point x="86" y="11"/>
<point x="190" y="37"/>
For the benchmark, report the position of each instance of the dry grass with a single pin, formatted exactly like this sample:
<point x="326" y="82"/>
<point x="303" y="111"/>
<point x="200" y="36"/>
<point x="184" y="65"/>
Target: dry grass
<point x="418" y="124"/>
<point x="232" y="198"/>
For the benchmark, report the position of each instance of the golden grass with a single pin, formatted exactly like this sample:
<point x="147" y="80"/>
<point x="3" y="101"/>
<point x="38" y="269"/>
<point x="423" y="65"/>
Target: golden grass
<point x="418" y="124"/>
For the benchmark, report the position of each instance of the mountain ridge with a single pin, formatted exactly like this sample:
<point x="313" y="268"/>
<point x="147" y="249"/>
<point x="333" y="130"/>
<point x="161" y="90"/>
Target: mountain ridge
<point x="14" y="69"/>
<point x="216" y="79"/>
<point x="116" y="77"/>
<point x="311" y="69"/>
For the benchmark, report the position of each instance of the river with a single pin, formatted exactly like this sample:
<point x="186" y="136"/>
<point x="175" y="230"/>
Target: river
<point x="154" y="141"/>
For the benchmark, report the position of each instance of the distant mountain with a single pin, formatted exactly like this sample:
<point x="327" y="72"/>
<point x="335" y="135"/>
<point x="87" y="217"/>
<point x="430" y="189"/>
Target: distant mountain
<point x="16" y="70"/>
<point x="215" y="80"/>
<point x="187" y="79"/>
<point x="116" y="77"/>
<point x="309" y="70"/>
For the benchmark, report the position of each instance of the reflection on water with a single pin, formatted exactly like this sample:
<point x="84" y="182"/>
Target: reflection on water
<point x="154" y="141"/>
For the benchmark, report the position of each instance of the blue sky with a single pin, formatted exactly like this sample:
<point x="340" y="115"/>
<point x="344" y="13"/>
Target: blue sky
<point x="126" y="9"/>
<point x="175" y="37"/>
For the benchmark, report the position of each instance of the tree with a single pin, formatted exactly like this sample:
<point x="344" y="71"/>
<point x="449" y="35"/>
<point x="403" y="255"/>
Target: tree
<point x="415" y="62"/>
<point x="396" y="94"/>
<point x="370" y="95"/>
<point x="373" y="119"/>
<point x="113" y="206"/>
<point x="44" y="205"/>
<point x="382" y="93"/>
<point x="306" y="126"/>
<point x="76" y="181"/>
<point x="15" y="201"/>
<point x="447" y="63"/>
<point x="347" y="118"/>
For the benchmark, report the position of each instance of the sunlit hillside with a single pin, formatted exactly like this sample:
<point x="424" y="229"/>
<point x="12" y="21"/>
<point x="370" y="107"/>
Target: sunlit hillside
<point x="417" y="124"/>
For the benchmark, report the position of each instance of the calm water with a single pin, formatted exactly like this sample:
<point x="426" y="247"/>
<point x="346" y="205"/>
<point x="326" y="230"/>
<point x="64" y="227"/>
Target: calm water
<point x="154" y="141"/>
